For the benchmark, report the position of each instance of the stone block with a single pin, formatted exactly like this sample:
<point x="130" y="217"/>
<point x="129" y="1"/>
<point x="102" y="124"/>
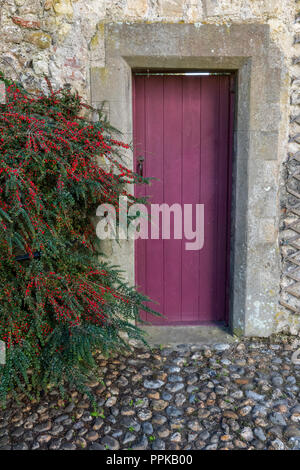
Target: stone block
<point x="265" y="206"/>
<point x="266" y="116"/>
<point x="26" y="23"/>
<point x="40" y="65"/>
<point x="210" y="7"/>
<point x="39" y="39"/>
<point x="63" y="7"/>
<point x="63" y="31"/>
<point x="11" y="33"/>
<point x="219" y="7"/>
<point x="272" y="7"/>
<point x="170" y="8"/>
<point x="97" y="47"/>
<point x="264" y="145"/>
<point x="137" y="8"/>
<point x="47" y="4"/>
<point x="267" y="231"/>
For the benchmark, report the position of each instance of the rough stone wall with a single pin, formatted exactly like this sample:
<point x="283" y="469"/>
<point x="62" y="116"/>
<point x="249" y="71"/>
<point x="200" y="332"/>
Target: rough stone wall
<point x="289" y="235"/>
<point x="64" y="39"/>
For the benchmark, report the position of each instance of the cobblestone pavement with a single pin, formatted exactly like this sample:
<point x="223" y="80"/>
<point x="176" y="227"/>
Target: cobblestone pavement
<point x="244" y="395"/>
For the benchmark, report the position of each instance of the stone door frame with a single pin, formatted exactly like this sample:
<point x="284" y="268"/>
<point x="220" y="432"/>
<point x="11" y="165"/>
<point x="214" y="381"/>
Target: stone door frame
<point x="248" y="50"/>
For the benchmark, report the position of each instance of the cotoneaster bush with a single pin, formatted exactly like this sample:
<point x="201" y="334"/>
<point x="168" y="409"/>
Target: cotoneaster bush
<point x="58" y="302"/>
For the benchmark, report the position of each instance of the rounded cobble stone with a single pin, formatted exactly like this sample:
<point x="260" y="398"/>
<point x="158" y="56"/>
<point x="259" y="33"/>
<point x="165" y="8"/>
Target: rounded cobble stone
<point x="227" y="396"/>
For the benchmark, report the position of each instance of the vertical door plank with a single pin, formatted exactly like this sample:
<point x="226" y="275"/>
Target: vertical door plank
<point x="209" y="188"/>
<point x="222" y="197"/>
<point x="172" y="158"/>
<point x="191" y="192"/>
<point x="154" y="168"/>
<point x="139" y="137"/>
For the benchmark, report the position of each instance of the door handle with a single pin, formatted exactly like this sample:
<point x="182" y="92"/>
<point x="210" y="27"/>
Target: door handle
<point x="140" y="166"/>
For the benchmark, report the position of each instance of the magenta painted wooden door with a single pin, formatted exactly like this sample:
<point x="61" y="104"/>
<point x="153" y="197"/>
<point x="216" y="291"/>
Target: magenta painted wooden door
<point x="182" y="127"/>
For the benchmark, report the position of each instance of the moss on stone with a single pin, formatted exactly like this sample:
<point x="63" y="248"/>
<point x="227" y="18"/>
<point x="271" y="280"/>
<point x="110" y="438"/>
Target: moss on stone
<point x="39" y="39"/>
